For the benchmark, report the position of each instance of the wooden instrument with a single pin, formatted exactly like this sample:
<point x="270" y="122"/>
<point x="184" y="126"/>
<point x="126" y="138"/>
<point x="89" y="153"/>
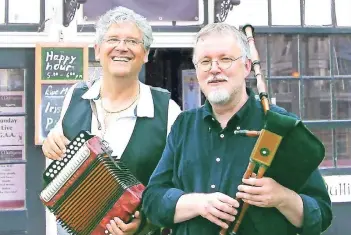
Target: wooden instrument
<point x="284" y="144"/>
<point x="88" y="188"/>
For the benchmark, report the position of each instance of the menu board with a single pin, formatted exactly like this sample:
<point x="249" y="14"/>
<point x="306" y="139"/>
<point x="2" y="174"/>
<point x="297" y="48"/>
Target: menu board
<point x="58" y="67"/>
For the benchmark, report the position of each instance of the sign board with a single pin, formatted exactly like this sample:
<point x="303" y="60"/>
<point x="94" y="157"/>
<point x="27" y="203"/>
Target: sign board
<point x="157" y="12"/>
<point x="58" y="67"/>
<point x="339" y="187"/>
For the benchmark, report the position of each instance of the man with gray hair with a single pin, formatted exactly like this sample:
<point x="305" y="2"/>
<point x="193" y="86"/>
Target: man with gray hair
<point x="132" y="117"/>
<point x="193" y="187"/>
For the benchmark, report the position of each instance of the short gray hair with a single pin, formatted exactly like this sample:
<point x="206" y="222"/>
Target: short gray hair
<point x="123" y="14"/>
<point x="223" y="28"/>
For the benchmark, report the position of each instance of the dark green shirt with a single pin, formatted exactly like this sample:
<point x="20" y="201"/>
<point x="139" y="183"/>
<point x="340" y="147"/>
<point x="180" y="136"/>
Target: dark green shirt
<point x="202" y="157"/>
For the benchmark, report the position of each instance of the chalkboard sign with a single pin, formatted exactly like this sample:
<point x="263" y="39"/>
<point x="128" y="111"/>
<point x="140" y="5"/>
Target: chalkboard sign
<point x="58" y="67"/>
<point x="52" y="96"/>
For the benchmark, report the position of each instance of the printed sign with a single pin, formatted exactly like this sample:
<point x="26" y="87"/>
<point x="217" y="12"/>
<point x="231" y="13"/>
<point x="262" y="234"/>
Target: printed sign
<point x="339" y="187"/>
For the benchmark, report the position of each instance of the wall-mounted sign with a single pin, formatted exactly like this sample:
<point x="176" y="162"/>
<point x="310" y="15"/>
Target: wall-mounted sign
<point x="339" y="187"/>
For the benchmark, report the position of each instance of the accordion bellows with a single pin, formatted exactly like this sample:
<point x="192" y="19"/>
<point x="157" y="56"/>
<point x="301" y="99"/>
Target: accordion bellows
<point x="88" y="188"/>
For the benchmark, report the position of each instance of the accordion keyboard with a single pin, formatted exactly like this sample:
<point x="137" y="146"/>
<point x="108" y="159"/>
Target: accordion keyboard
<point x="59" y="171"/>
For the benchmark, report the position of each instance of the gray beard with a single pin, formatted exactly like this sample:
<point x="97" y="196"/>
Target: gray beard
<point x="219" y="96"/>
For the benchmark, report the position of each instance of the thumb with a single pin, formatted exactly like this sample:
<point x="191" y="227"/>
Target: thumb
<point x="65" y="140"/>
<point x="137" y="215"/>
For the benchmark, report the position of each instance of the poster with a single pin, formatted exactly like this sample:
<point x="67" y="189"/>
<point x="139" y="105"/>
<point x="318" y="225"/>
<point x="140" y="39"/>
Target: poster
<point x="190" y="90"/>
<point x="12" y="186"/>
<point x="12" y="91"/>
<point x="12" y="131"/>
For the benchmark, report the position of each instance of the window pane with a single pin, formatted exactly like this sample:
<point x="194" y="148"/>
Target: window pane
<point x="343" y="17"/>
<point x="326" y="137"/>
<point x="12" y="186"/>
<point x="284" y="55"/>
<point x="286" y="94"/>
<point x="2" y="11"/>
<point x="253" y="11"/>
<point x="315" y="56"/>
<point x="317" y="99"/>
<point x="342" y="98"/>
<point x="320" y="17"/>
<point x="342" y="55"/>
<point x="343" y="147"/>
<point x="12" y="91"/>
<point x="19" y="13"/>
<point x="94" y="70"/>
<point x="261" y="46"/>
<point x="286" y="12"/>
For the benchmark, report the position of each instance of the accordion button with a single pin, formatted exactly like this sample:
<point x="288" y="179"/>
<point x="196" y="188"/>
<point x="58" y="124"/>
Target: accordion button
<point x="218" y="159"/>
<point x="213" y="186"/>
<point x="222" y="136"/>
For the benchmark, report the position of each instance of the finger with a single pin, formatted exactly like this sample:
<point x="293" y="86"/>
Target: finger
<point x="217" y="221"/>
<point x="229" y="200"/>
<point x="254" y="203"/>
<point x="253" y="182"/>
<point x="60" y="141"/>
<point x="225" y="207"/>
<point x="65" y="140"/>
<point x="251" y="197"/>
<point x="221" y="215"/>
<point x="137" y="215"/>
<point x="51" y="155"/>
<point x="253" y="175"/>
<point x="113" y="228"/>
<point x="53" y="148"/>
<point x="122" y="226"/>
<point x="250" y="189"/>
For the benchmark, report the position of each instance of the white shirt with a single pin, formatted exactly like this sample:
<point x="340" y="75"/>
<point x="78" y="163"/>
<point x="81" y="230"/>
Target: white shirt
<point x="120" y="125"/>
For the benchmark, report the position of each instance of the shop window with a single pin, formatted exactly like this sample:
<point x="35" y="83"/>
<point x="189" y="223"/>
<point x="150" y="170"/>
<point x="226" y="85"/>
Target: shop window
<point x="286" y="94"/>
<point x="325" y="136"/>
<point x="253" y="11"/>
<point x="315" y="56"/>
<point x="317" y="98"/>
<point x="286" y="12"/>
<point x="320" y="17"/>
<point x="343" y="146"/>
<point x="19" y="13"/>
<point x="2" y="11"/>
<point x="342" y="55"/>
<point x="343" y="17"/>
<point x="284" y="55"/>
<point x="12" y="139"/>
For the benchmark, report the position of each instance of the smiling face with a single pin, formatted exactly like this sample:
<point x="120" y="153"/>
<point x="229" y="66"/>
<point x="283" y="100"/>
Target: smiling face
<point x="121" y="53"/>
<point x="226" y="77"/>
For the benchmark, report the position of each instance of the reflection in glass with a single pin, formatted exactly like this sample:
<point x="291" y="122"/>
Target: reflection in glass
<point x="286" y="12"/>
<point x="253" y="11"/>
<point x="12" y="98"/>
<point x="343" y="147"/>
<point x="286" y="93"/>
<point x="320" y="17"/>
<point x="261" y="46"/>
<point x="315" y="56"/>
<point x="343" y="18"/>
<point x="326" y="137"/>
<point x="284" y="55"/>
<point x="317" y="99"/>
<point x="2" y="11"/>
<point x="342" y="55"/>
<point x="19" y="13"/>
<point x="342" y="96"/>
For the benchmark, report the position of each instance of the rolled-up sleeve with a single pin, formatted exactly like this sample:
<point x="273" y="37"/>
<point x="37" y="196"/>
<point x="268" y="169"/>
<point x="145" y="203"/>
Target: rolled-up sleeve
<point x="317" y="209"/>
<point x="160" y="196"/>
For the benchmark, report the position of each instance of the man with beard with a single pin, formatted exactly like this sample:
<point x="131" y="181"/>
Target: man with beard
<point x="131" y="116"/>
<point x="192" y="189"/>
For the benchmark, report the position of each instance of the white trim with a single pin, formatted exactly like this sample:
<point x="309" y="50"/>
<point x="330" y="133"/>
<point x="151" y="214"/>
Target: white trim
<point x="28" y="40"/>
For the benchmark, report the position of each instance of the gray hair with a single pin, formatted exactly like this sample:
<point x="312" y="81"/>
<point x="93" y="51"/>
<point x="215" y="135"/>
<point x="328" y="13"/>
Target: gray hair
<point x="224" y="29"/>
<point x="123" y="14"/>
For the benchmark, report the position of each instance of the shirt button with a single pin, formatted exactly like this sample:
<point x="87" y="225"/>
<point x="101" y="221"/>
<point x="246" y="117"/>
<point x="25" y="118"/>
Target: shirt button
<point x="222" y="136"/>
<point x="218" y="159"/>
<point x="213" y="186"/>
<point x="238" y="127"/>
<point x="213" y="119"/>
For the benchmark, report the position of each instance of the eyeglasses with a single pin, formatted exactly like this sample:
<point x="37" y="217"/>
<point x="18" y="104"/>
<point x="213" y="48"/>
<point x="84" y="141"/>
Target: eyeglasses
<point x="223" y="63"/>
<point x="127" y="42"/>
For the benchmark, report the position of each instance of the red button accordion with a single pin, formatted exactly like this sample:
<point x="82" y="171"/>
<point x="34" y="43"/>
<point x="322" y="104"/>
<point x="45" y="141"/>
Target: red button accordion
<point x="88" y="188"/>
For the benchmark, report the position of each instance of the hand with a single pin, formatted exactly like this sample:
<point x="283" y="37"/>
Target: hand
<point x="217" y="207"/>
<point x="263" y="192"/>
<point x="118" y="227"/>
<point x="54" y="145"/>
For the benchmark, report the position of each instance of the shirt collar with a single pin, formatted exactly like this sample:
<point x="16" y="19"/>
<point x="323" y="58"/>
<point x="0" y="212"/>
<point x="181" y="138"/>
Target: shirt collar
<point x="251" y="102"/>
<point x="145" y="106"/>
